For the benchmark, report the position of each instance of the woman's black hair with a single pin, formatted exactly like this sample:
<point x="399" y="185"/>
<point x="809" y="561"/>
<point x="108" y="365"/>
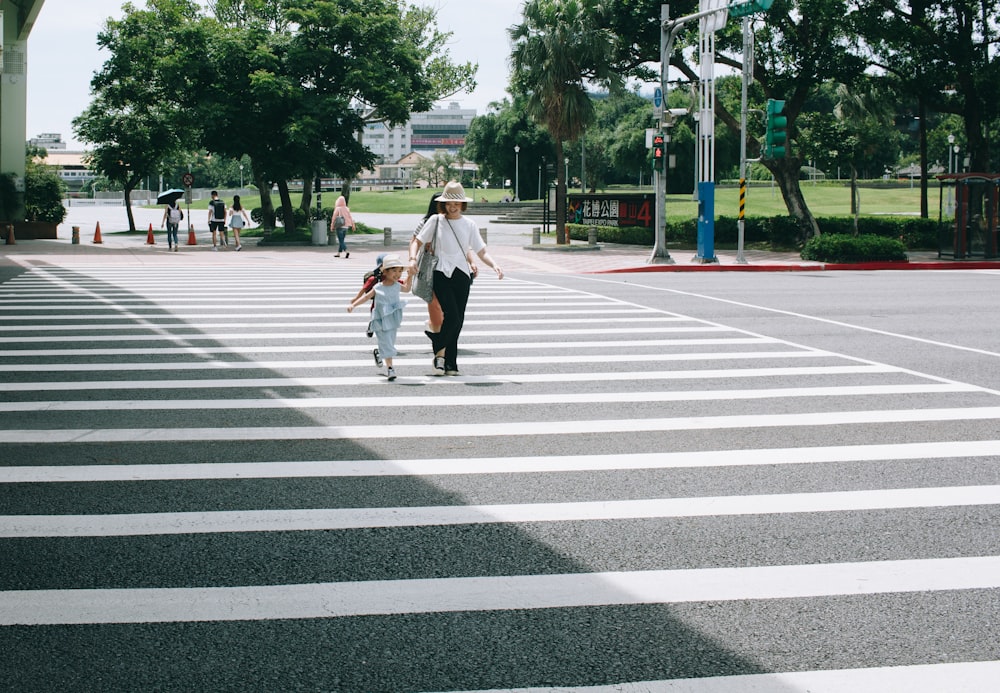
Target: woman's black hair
<point x="236" y="203"/>
<point x="432" y="207"/>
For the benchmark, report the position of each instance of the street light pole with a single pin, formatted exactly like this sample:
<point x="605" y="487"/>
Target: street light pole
<point x="951" y="143"/>
<point x="517" y="172"/>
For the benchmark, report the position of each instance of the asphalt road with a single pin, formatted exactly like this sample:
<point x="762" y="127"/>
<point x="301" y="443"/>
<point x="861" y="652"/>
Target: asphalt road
<point x="641" y="482"/>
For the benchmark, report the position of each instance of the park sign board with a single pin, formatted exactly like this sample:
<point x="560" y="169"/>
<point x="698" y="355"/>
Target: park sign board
<point x="745" y="8"/>
<point x="615" y="210"/>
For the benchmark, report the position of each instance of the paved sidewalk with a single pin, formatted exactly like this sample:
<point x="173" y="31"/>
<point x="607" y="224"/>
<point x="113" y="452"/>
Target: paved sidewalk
<point x="510" y="245"/>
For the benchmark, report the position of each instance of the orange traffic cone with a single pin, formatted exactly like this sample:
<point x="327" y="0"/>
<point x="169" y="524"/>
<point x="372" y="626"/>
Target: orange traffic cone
<point x="191" y="239"/>
<point x="149" y="236"/>
<point x="97" y="234"/>
<point x="10" y="235"/>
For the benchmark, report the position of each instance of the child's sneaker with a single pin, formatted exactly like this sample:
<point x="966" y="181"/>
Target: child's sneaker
<point x="378" y="357"/>
<point x="390" y="374"/>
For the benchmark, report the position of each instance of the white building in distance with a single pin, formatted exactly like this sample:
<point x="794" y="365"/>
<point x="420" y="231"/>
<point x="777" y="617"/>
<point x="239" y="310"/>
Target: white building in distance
<point x="425" y="133"/>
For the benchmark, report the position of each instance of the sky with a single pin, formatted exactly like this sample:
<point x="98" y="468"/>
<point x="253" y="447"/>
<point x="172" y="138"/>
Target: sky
<point x="63" y="55"/>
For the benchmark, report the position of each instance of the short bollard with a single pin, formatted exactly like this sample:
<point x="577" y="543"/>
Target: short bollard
<point x="482" y="232"/>
<point x="592" y="235"/>
<point x="387" y="240"/>
<point x="76" y="235"/>
<point x="536" y="236"/>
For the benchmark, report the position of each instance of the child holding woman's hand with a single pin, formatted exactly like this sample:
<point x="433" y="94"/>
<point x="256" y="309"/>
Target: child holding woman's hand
<point x="388" y="313"/>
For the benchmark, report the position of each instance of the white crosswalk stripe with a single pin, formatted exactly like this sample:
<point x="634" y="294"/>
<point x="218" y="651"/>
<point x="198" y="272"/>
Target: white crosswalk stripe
<point x="214" y="447"/>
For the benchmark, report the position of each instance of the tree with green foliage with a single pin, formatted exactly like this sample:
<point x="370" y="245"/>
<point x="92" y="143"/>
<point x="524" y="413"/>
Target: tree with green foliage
<point x="800" y="44"/>
<point x="943" y="52"/>
<point x="43" y="189"/>
<point x="561" y="46"/>
<point x="491" y="140"/>
<point x="288" y="83"/>
<point x="309" y="74"/>
<point x="134" y="122"/>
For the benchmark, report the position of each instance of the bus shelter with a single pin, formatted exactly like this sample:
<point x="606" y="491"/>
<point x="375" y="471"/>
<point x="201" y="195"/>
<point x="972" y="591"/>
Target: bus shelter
<point x="968" y="207"/>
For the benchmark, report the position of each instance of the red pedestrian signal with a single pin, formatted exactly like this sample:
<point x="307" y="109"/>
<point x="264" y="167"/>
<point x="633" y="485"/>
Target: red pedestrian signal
<point x="659" y="152"/>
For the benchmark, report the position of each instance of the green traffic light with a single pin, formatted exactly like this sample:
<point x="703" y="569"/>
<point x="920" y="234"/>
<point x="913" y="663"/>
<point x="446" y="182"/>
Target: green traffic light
<point x="776" y="135"/>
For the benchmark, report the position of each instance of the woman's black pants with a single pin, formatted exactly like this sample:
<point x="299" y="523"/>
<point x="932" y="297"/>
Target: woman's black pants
<point x="453" y="295"/>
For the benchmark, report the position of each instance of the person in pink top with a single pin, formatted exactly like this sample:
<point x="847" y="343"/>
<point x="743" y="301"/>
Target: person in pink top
<point x="340" y="222"/>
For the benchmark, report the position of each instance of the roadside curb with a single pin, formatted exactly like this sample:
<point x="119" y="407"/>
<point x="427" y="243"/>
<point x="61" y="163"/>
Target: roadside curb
<point x="807" y="267"/>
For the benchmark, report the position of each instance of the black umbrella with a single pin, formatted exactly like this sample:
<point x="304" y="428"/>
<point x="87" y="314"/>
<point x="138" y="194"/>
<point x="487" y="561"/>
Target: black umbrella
<point x="168" y="196"/>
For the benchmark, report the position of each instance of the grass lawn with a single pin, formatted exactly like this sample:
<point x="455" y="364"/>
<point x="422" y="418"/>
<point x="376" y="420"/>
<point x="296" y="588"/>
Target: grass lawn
<point x="763" y="200"/>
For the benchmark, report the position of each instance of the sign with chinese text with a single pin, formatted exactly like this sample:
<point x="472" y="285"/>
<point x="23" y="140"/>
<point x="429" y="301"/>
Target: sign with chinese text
<point x="633" y="209"/>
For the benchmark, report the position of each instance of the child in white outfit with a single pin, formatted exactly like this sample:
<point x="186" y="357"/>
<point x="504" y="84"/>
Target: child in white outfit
<point x="388" y="313"/>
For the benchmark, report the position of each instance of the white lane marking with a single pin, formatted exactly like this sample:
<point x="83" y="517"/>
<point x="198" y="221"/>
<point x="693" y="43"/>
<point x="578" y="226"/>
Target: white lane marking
<point x="344" y="381"/>
<point x="329" y="519"/>
<point x="227" y="336"/>
<point x="327" y="319"/>
<point x="952" y="677"/>
<point x="471" y="594"/>
<point x="644" y="322"/>
<point x="500" y="465"/>
<point x="828" y="321"/>
<point x="481" y="400"/>
<point x="210" y="363"/>
<point x="494" y="429"/>
<point x="258" y="348"/>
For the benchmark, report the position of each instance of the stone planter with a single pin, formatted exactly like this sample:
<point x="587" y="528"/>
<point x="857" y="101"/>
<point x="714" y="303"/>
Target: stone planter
<point x="35" y="230"/>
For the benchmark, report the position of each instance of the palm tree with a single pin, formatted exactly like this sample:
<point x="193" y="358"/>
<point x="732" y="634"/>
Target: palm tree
<point x="558" y="48"/>
<point x="858" y="112"/>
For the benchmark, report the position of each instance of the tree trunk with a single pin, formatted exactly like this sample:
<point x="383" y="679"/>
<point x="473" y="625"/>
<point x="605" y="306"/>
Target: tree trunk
<point x="786" y="174"/>
<point x="287" y="211"/>
<point x="130" y="184"/>
<point x="561" y="236"/>
<point x="307" y="190"/>
<point x="128" y="208"/>
<point x="266" y="206"/>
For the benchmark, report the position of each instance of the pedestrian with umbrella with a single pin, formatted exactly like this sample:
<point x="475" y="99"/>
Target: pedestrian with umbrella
<point x="172" y="216"/>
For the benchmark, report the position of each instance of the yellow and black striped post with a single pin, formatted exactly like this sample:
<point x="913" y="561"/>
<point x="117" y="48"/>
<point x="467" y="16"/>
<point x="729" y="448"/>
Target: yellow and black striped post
<point x="740" y="223"/>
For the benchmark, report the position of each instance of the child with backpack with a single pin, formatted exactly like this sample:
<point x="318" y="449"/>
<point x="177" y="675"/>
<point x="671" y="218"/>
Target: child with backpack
<point x="387" y="314"/>
<point x="372" y="278"/>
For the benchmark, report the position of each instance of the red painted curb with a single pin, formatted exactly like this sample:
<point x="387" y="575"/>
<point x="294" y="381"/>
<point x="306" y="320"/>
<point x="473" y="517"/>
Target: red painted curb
<point x="815" y="267"/>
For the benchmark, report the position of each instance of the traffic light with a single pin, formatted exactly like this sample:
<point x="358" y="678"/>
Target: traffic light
<point x="744" y="8"/>
<point x="776" y="136"/>
<point x="659" y="152"/>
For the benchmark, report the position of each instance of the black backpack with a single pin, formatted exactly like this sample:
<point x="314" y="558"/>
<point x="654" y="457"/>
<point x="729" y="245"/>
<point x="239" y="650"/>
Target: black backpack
<point x="218" y="210"/>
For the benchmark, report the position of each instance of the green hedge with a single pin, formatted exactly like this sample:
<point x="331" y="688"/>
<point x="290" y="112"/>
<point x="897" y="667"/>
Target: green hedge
<point x="775" y="233"/>
<point x="842" y="247"/>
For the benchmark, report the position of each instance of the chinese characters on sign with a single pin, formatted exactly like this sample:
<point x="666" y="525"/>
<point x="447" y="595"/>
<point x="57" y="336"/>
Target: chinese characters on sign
<point x="611" y="210"/>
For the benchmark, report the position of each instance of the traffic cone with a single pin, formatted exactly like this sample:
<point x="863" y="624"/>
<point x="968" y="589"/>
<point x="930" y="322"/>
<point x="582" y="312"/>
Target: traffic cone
<point x="97" y="233"/>
<point x="10" y="235"/>
<point x="191" y="239"/>
<point x="149" y="236"/>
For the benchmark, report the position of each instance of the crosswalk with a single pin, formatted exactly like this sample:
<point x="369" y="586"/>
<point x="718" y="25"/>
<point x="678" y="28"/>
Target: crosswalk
<point x="207" y="484"/>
